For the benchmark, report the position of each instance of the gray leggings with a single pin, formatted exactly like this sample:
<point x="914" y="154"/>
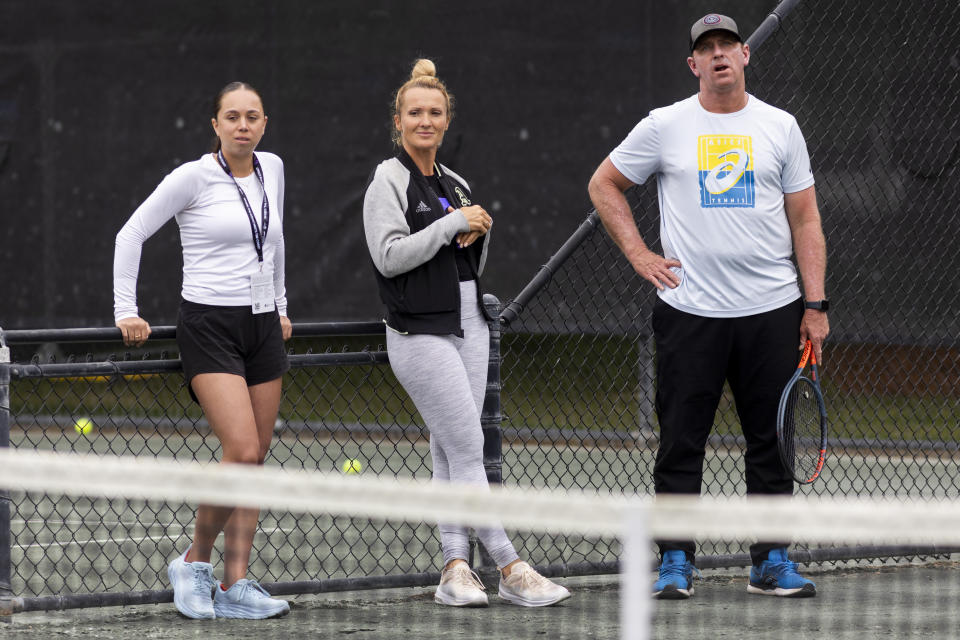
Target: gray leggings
<point x="445" y="377"/>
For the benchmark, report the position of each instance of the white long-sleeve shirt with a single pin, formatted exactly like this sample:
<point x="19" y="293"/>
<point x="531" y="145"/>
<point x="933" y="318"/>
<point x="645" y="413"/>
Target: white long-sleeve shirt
<point x="218" y="251"/>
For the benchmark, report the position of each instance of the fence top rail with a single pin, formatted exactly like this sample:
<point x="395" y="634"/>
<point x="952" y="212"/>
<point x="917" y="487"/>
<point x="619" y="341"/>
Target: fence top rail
<point x="110" y="334"/>
<point x="148" y="367"/>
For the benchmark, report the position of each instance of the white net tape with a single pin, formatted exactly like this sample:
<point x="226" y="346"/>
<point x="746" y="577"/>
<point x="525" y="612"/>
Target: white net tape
<point x="809" y="519"/>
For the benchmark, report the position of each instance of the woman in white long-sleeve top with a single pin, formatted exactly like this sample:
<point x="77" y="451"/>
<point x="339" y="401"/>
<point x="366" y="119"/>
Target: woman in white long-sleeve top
<point x="231" y="329"/>
<point x="428" y="242"/>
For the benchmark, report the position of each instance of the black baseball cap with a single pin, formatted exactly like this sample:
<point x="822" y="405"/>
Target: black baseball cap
<point x="712" y="22"/>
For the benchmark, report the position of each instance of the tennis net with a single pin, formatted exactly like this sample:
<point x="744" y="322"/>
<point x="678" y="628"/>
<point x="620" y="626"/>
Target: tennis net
<point x="119" y="502"/>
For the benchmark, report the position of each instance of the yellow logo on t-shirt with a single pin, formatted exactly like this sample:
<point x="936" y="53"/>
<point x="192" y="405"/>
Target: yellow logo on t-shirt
<point x="725" y="165"/>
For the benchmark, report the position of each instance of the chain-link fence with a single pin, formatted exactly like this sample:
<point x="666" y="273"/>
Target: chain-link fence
<point x="885" y="149"/>
<point x="577" y="355"/>
<point x="341" y="404"/>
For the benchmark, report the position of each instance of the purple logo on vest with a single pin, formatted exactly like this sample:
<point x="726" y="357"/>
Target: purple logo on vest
<point x="711" y="19"/>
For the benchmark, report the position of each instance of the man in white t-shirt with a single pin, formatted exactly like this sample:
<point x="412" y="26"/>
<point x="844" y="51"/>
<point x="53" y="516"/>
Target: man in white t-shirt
<point x="736" y="202"/>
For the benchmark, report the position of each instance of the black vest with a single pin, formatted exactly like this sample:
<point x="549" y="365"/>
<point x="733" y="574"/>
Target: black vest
<point x="426" y="299"/>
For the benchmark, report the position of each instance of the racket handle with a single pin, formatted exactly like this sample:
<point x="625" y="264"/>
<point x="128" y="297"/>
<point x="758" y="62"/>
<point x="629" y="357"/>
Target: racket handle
<point x="807" y="350"/>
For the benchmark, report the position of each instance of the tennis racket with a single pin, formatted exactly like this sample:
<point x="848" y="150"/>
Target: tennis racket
<point x="802" y="422"/>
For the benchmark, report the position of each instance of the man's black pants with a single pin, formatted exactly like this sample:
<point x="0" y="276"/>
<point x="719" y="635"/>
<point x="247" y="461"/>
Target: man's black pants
<point x="757" y="355"/>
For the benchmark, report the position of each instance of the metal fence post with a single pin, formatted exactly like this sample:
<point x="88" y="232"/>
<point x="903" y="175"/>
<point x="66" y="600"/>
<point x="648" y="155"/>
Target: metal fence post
<point x="646" y="389"/>
<point x="491" y="417"/>
<point x="6" y="539"/>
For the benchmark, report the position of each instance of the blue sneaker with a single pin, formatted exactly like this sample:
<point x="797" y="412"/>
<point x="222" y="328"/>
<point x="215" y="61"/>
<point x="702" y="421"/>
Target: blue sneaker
<point x="777" y="576"/>
<point x="676" y="577"/>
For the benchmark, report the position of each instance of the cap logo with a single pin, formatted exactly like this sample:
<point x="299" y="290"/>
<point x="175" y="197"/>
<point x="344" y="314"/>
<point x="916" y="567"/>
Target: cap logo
<point x="711" y="19"/>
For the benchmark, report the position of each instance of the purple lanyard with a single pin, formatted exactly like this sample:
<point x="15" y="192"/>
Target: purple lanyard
<point x="258" y="235"/>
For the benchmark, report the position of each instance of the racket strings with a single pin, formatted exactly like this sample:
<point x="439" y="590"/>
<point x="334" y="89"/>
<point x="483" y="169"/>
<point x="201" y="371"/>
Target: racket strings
<point x="803" y="424"/>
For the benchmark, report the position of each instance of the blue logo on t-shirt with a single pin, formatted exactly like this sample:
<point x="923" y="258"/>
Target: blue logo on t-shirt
<point x="725" y="166"/>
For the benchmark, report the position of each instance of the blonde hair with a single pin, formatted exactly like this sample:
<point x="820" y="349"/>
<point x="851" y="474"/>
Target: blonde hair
<point x="423" y="76"/>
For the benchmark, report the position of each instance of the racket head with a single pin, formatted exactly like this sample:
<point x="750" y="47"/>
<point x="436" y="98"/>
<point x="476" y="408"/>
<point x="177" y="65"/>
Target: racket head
<point x="802" y="429"/>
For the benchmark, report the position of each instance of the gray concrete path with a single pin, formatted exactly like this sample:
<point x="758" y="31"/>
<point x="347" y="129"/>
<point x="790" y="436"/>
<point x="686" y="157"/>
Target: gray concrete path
<point x="886" y="602"/>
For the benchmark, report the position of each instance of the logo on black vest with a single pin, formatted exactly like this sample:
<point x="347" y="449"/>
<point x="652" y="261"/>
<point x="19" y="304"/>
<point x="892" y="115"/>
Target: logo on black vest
<point x="423" y="207"/>
<point x="464" y="200"/>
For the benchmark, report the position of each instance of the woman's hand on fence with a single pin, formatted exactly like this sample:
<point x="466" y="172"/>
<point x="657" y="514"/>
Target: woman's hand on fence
<point x="286" y="327"/>
<point x="135" y="331"/>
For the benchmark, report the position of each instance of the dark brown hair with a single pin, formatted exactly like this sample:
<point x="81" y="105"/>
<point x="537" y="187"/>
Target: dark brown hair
<point x="218" y="104"/>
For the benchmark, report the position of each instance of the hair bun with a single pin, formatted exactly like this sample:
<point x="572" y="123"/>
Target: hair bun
<point x="423" y="67"/>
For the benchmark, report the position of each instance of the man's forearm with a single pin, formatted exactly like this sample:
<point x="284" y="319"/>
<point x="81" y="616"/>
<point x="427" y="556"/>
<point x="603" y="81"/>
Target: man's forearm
<point x="810" y="248"/>
<point x="617" y="218"/>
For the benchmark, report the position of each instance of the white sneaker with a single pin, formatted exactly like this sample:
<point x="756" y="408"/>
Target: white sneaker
<point x="526" y="587"/>
<point x="460" y="587"/>
<point x="247" y="599"/>
<point x="193" y="585"/>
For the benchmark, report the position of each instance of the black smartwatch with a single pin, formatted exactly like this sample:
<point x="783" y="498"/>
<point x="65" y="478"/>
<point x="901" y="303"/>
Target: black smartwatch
<point x="819" y="305"/>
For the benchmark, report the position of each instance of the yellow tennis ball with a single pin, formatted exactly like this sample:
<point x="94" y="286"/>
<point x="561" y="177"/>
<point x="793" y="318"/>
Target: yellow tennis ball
<point x="351" y="466"/>
<point x="83" y="426"/>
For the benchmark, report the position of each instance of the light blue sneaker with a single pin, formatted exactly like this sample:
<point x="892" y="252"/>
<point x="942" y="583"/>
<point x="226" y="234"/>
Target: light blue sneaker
<point x="192" y="584"/>
<point x="676" y="577"/>
<point x="247" y="599"/>
<point x="777" y="576"/>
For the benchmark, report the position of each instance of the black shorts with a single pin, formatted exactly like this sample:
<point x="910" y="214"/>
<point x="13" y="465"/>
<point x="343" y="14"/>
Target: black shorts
<point x="215" y="339"/>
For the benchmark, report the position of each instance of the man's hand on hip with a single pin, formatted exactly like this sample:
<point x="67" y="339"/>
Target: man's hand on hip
<point x="656" y="269"/>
